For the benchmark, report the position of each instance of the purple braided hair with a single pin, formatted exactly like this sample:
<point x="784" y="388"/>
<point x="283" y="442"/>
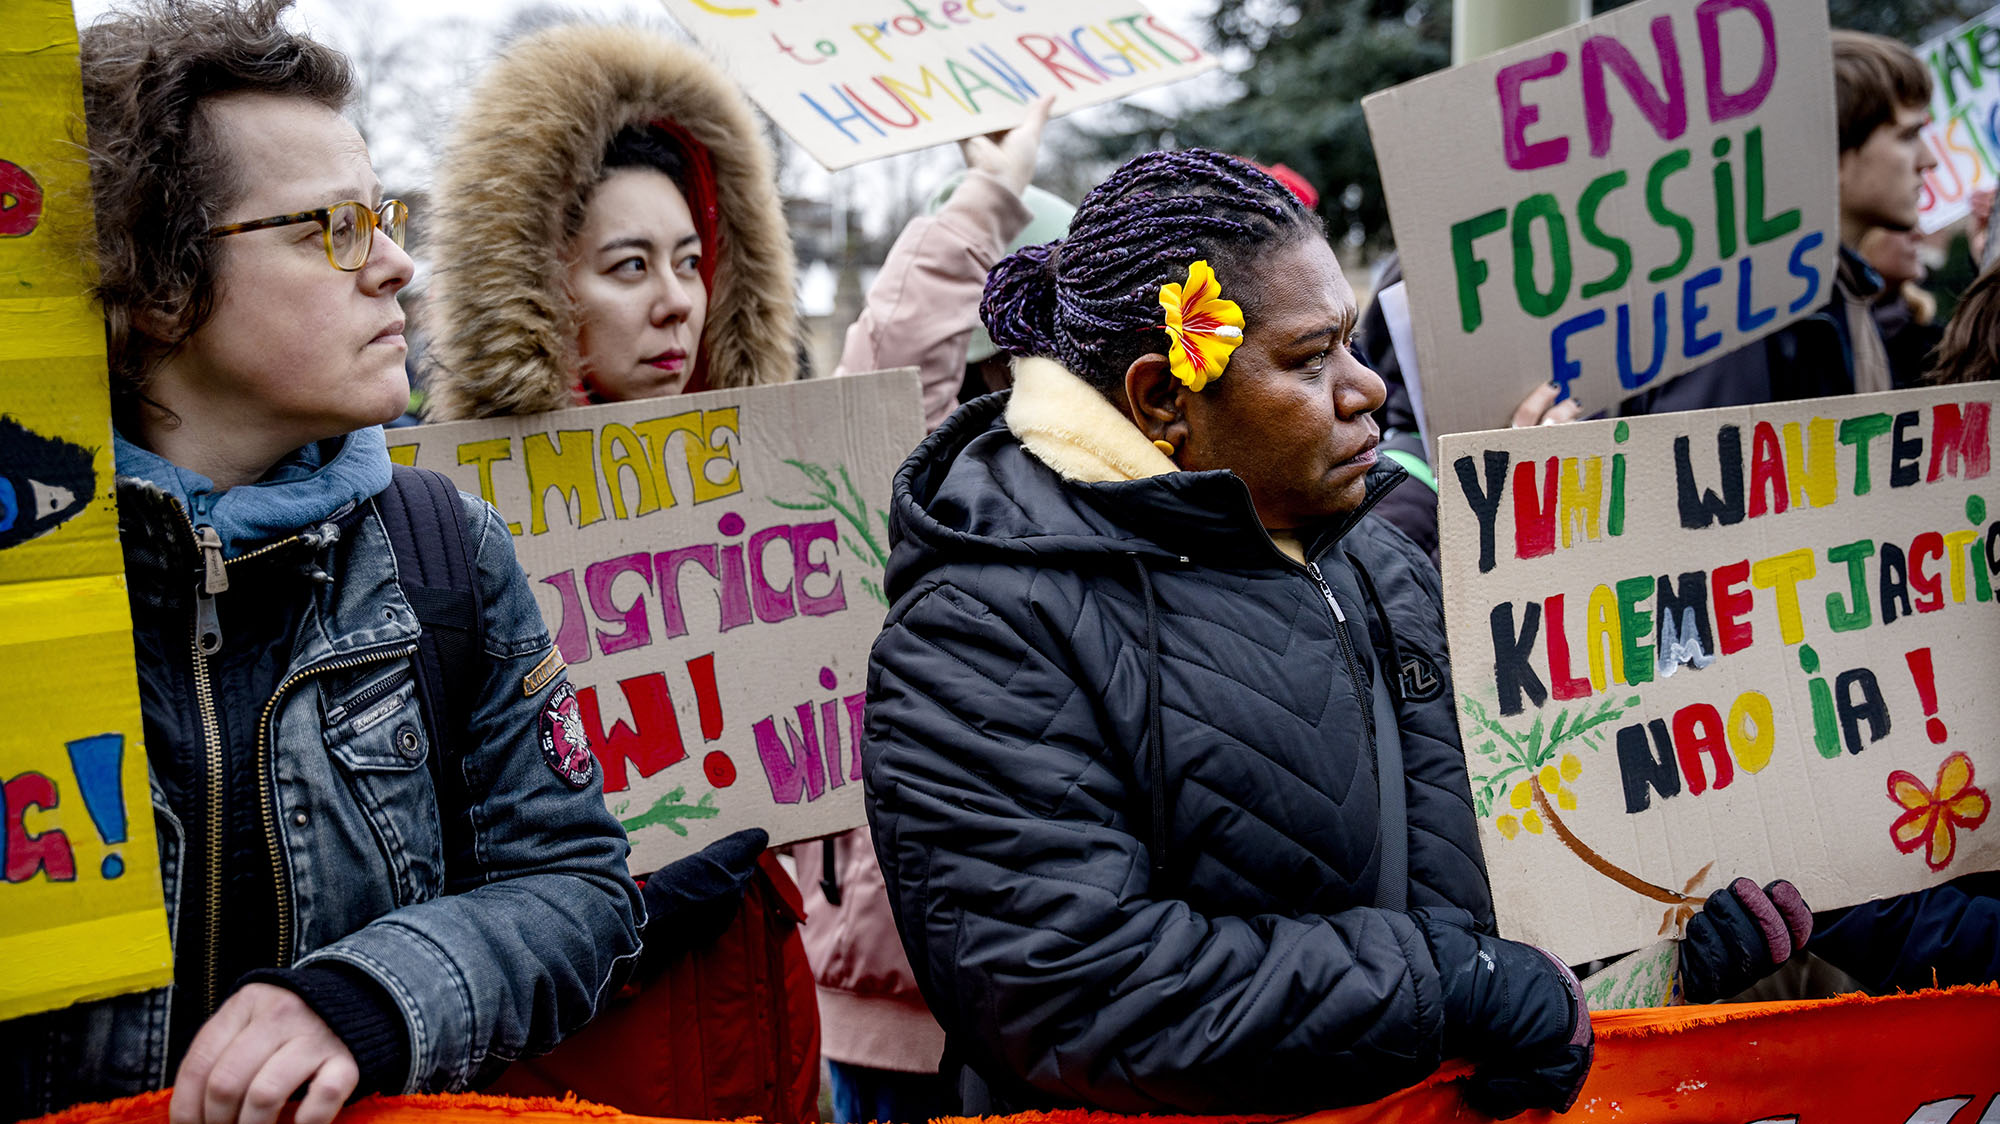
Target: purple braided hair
<point x="1091" y="301"/>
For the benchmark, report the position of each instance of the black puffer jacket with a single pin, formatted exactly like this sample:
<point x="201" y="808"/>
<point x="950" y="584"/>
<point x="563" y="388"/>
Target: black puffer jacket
<point x="1158" y="907"/>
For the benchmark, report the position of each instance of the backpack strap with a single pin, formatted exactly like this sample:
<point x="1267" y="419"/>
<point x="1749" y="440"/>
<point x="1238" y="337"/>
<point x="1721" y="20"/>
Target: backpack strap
<point x="1392" y="887"/>
<point x="432" y="540"/>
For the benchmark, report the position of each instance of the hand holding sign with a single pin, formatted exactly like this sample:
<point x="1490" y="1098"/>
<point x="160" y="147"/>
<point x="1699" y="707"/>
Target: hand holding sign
<point x="259" y="1048"/>
<point x="1541" y="408"/>
<point x="1010" y="156"/>
<point x="1744" y="933"/>
<point x="1515" y="1011"/>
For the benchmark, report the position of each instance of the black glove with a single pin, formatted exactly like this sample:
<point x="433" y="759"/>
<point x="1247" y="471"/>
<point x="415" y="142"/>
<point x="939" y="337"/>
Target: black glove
<point x="690" y="901"/>
<point x="1514" y="1011"/>
<point x="1740" y="936"/>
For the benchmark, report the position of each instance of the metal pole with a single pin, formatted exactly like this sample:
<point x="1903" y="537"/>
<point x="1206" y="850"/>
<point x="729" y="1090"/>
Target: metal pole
<point x="1481" y="27"/>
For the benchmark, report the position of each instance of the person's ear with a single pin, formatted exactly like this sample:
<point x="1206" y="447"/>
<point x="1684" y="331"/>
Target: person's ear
<point x="1153" y="399"/>
<point x="157" y="323"/>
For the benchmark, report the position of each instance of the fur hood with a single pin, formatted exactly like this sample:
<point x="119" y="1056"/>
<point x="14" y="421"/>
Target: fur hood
<point x="528" y="148"/>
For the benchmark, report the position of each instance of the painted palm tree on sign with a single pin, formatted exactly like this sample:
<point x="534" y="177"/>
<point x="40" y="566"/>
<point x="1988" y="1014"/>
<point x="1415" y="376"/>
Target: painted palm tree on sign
<point x="1522" y="778"/>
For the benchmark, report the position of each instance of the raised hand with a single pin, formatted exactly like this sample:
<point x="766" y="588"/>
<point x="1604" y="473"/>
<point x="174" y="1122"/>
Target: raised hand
<point x="1010" y="156"/>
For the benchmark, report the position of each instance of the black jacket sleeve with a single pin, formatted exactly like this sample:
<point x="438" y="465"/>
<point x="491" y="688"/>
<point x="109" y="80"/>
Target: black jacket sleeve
<point x="1942" y="936"/>
<point x="1008" y="835"/>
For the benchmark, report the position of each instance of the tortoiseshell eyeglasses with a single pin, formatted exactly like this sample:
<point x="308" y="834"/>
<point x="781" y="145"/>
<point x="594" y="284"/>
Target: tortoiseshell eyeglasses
<point x="346" y="228"/>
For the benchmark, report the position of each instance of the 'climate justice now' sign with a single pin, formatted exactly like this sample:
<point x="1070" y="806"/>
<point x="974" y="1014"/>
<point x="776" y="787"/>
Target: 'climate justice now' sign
<point x="1757" y="641"/>
<point x="860" y="79"/>
<point x="711" y="566"/>
<point x="1612" y="205"/>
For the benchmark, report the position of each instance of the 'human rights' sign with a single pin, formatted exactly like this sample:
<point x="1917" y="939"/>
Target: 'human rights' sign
<point x="861" y="79"/>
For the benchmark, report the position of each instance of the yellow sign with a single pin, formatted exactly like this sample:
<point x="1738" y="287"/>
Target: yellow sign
<point x="81" y="913"/>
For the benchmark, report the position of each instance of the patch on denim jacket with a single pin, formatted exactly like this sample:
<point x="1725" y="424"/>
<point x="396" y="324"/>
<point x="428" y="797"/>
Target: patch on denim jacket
<point x="564" y="745"/>
<point x="551" y="666"/>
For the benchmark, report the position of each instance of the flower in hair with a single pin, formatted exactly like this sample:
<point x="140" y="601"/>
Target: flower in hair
<point x="1202" y="326"/>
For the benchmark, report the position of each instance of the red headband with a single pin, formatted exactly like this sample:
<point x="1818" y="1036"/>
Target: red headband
<point x="707" y="223"/>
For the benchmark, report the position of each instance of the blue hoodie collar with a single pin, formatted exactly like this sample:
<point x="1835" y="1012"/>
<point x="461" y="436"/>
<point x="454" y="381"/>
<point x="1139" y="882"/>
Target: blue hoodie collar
<point x="305" y="488"/>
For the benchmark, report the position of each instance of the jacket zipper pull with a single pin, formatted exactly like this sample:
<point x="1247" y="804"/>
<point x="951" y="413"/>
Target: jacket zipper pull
<point x="1326" y="591"/>
<point x="214" y="580"/>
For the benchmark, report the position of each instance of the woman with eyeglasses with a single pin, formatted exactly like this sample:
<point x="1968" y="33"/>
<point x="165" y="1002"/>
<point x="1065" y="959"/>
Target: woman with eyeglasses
<point x="367" y="894"/>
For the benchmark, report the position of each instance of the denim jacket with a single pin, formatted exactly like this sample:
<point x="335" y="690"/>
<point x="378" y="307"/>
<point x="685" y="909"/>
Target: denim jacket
<point x="493" y="906"/>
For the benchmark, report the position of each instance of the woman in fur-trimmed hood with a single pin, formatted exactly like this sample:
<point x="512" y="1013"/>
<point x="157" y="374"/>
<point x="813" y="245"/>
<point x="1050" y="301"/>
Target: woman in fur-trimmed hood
<point x="531" y="147"/>
<point x="609" y="230"/>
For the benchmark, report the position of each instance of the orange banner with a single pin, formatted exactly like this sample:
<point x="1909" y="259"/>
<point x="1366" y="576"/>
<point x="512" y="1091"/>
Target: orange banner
<point x="1928" y="1058"/>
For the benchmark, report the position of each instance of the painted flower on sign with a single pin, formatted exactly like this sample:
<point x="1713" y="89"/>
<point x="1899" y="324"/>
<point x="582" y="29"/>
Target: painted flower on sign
<point x="1932" y="816"/>
<point x="1204" y="328"/>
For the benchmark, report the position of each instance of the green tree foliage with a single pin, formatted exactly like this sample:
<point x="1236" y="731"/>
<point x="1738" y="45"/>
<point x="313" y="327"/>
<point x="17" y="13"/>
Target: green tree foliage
<point x="1912" y="21"/>
<point x="1303" y="67"/>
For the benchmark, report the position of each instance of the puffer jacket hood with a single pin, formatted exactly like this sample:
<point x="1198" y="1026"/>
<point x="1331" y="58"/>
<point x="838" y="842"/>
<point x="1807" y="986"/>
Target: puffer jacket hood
<point x="528" y="149"/>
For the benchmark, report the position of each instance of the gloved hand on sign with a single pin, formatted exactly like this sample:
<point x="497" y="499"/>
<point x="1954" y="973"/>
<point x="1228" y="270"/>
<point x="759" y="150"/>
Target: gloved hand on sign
<point x="1742" y="934"/>
<point x="1514" y="1011"/>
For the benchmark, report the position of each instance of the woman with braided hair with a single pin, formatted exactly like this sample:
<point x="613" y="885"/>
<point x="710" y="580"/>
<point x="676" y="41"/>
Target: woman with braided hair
<point x="1161" y="758"/>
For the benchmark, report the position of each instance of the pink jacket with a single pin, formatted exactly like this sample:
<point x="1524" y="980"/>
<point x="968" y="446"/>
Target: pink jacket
<point x="920" y="312"/>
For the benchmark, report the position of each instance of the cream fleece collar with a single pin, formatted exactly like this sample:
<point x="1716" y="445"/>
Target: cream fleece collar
<point x="1066" y="424"/>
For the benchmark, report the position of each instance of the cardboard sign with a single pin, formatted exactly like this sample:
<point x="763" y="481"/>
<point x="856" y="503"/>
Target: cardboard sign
<point x="860" y="79"/>
<point x="1649" y="977"/>
<point x="1925" y="1058"/>
<point x="1612" y="205"/>
<point x="1748" y="642"/>
<point x="711" y="568"/>
<point x="1964" y="133"/>
<point x="81" y="912"/>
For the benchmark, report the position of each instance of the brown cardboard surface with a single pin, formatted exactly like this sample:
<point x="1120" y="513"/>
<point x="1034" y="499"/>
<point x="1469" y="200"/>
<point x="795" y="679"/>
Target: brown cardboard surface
<point x="1544" y="240"/>
<point x="711" y="569"/>
<point x="1756" y="641"/>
